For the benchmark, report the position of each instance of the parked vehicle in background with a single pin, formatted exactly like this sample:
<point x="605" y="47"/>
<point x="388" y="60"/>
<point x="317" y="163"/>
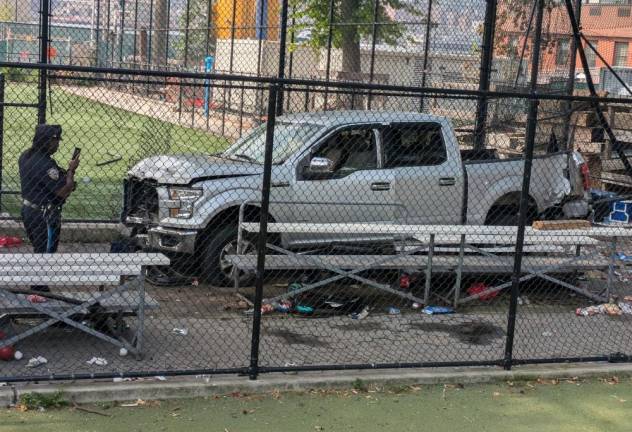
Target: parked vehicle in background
<point x="339" y="166"/>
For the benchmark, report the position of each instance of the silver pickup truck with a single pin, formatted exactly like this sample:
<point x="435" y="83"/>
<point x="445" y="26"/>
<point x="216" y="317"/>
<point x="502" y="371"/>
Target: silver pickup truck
<point x="351" y="166"/>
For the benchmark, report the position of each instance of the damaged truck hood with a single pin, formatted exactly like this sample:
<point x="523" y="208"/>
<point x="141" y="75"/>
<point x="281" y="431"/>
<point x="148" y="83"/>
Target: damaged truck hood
<point x="186" y="169"/>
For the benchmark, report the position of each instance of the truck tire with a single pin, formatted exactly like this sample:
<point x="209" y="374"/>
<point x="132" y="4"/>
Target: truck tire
<point x="507" y="215"/>
<point x="215" y="270"/>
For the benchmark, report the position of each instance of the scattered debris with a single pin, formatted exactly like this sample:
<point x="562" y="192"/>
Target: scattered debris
<point x="284" y="306"/>
<point x="523" y="300"/>
<point x="90" y="411"/>
<point x="160" y="378"/>
<point x="7" y="353"/>
<point x="123" y="352"/>
<point x="303" y="309"/>
<point x="361" y="315"/>
<point x="34" y="298"/>
<point x="393" y="311"/>
<point x="436" y="310"/>
<point x="9" y="241"/>
<point x="139" y="402"/>
<point x="99" y="361"/>
<point x="180" y="331"/>
<point x="119" y="379"/>
<point x="36" y="361"/>
<point x="480" y="287"/>
<point x="611" y="309"/>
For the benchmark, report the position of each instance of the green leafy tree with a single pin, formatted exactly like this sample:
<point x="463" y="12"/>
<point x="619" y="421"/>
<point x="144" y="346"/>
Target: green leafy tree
<point x="353" y="21"/>
<point x="199" y="31"/>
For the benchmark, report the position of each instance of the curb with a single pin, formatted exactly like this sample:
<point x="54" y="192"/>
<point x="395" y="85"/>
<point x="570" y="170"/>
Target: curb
<point x="72" y="232"/>
<point x="7" y="396"/>
<point x="190" y="387"/>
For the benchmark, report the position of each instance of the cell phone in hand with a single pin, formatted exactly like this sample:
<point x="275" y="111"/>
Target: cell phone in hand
<point x="76" y="153"/>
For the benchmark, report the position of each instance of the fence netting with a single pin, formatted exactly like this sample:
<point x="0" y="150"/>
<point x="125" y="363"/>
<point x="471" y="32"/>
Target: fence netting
<point x="326" y="184"/>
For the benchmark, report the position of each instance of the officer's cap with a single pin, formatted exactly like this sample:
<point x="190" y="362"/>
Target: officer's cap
<point x="44" y="134"/>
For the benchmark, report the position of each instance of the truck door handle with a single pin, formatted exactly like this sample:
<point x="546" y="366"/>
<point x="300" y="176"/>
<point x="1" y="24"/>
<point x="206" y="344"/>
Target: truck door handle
<point x="447" y="181"/>
<point x="380" y="186"/>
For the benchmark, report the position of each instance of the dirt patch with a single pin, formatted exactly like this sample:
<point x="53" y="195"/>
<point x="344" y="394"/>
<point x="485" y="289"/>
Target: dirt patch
<point x="359" y="326"/>
<point x="471" y="332"/>
<point x="293" y="338"/>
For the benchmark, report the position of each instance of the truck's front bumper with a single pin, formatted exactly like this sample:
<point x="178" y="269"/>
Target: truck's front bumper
<point x="170" y="240"/>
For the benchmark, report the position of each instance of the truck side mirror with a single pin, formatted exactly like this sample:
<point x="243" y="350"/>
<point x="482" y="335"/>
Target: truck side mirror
<point x="319" y="168"/>
<point x="321" y="165"/>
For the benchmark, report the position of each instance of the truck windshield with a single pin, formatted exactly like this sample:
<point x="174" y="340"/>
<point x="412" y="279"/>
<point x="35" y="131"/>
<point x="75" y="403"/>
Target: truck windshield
<point x="288" y="139"/>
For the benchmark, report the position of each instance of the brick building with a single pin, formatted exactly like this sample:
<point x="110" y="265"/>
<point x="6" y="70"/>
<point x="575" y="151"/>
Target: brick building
<point x="606" y="25"/>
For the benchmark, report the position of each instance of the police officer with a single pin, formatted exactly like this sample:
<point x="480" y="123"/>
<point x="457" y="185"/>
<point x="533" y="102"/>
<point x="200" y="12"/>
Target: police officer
<point x="45" y="187"/>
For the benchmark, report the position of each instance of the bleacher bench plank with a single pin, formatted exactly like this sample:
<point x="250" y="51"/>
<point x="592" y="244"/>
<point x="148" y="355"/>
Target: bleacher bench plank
<point x="471" y="264"/>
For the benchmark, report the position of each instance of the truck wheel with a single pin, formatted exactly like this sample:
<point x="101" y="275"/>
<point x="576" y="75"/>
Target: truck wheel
<point x="216" y="270"/>
<point x="507" y="215"/>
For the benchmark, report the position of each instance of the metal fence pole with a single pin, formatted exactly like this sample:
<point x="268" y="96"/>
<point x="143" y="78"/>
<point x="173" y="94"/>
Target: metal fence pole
<point x="43" y="73"/>
<point x="570" y="84"/>
<point x="290" y="65"/>
<point x="97" y="34"/>
<point x="108" y="23"/>
<point x="532" y="118"/>
<point x="122" y="30"/>
<point x="186" y="55"/>
<point x="282" y="53"/>
<point x="263" y="231"/>
<point x="329" y="44"/>
<point x="1" y="134"/>
<point x="376" y="11"/>
<point x="485" y="72"/>
<point x="150" y="34"/>
<point x="426" y="49"/>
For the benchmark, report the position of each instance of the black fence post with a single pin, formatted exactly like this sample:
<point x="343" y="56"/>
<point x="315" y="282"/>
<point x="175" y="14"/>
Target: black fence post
<point x="1" y="135"/>
<point x="570" y="84"/>
<point x="263" y="232"/>
<point x="43" y="73"/>
<point x="97" y="34"/>
<point x="282" y="53"/>
<point x="532" y="118"/>
<point x="426" y="49"/>
<point x="487" y="58"/>
<point x="376" y="11"/>
<point x="329" y="45"/>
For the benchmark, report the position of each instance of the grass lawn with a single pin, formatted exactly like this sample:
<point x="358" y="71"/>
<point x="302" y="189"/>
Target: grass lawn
<point x="103" y="133"/>
<point x="545" y="406"/>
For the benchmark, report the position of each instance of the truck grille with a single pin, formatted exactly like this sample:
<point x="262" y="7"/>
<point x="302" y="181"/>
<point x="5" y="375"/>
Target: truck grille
<point x="140" y="199"/>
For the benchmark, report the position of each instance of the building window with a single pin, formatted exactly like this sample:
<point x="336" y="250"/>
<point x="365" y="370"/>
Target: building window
<point x="563" y="50"/>
<point x="623" y="12"/>
<point x="620" y="54"/>
<point x="591" y="57"/>
<point x="595" y="11"/>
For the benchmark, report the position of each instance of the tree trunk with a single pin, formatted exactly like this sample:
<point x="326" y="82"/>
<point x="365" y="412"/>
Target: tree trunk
<point x="350" y="39"/>
<point x="161" y="33"/>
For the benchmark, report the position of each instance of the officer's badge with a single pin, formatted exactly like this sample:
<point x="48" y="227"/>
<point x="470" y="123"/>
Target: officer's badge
<point x="53" y="173"/>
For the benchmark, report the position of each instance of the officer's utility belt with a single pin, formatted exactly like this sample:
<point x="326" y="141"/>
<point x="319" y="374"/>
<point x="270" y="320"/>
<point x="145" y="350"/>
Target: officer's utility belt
<point x="29" y="204"/>
<point x="42" y="208"/>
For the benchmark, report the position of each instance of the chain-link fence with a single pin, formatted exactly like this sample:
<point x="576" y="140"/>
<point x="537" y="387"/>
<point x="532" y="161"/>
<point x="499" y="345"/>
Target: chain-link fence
<point x="312" y="185"/>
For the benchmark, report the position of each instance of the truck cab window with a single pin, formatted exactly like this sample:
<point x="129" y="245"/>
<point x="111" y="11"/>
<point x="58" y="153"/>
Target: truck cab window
<point x="350" y="150"/>
<point x="414" y="145"/>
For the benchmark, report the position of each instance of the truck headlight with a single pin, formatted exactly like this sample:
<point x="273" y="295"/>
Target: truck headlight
<point x="182" y="201"/>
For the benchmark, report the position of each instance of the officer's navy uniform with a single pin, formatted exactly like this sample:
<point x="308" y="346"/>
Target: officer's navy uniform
<point x="40" y="178"/>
